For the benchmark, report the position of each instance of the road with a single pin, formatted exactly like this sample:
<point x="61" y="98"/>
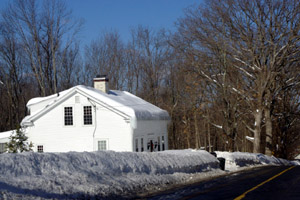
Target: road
<point x="270" y="182"/>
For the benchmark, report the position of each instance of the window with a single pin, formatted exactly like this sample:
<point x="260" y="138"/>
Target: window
<point x="102" y="145"/>
<point x="158" y="143"/>
<point x="40" y="148"/>
<point x="68" y="116"/>
<point x="87" y="115"/>
<point x="142" y="144"/>
<point x="136" y="145"/>
<point x="77" y="99"/>
<point x="163" y="142"/>
<point x="2" y="147"/>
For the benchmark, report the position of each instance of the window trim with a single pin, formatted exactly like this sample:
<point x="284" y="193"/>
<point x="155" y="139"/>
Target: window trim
<point x="158" y="143"/>
<point x="98" y="140"/>
<point x="37" y="148"/>
<point x="136" y="144"/>
<point x="163" y="148"/>
<point x="77" y="99"/>
<point x="82" y="115"/>
<point x="142" y="144"/>
<point x="73" y="116"/>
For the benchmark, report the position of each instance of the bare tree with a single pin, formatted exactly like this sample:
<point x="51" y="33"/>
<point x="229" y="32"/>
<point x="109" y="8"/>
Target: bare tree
<point x="44" y="31"/>
<point x="106" y="56"/>
<point x="12" y="72"/>
<point x="152" y="51"/>
<point x="214" y="68"/>
<point x="70" y="71"/>
<point x="254" y="37"/>
<point x="33" y="39"/>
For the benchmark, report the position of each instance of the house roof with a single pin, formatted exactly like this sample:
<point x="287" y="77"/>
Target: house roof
<point x="122" y="102"/>
<point x="6" y="134"/>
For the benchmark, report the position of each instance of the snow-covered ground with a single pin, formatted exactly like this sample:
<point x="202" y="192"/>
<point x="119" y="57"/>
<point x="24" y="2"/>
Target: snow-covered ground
<point x="108" y="174"/>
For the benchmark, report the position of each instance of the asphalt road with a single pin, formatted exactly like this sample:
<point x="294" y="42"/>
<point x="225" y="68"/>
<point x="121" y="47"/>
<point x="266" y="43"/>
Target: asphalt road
<point x="271" y="182"/>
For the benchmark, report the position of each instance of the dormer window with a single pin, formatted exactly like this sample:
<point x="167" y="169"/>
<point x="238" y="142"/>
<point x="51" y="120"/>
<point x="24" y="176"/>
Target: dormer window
<point x="68" y="116"/>
<point x="87" y="115"/>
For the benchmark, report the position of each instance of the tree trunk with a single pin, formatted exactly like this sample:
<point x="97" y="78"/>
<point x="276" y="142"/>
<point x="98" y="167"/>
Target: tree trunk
<point x="205" y="139"/>
<point x="197" y="143"/>
<point x="174" y="135"/>
<point x="268" y="148"/>
<point x="231" y="140"/>
<point x="208" y="137"/>
<point x="187" y="134"/>
<point x="257" y="130"/>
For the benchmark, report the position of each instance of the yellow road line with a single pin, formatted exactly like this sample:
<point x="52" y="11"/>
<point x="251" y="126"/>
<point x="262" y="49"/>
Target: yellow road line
<point x="254" y="188"/>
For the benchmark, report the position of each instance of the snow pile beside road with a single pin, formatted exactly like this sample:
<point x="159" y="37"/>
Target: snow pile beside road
<point x="108" y="174"/>
<point x="235" y="160"/>
<point x="96" y="174"/>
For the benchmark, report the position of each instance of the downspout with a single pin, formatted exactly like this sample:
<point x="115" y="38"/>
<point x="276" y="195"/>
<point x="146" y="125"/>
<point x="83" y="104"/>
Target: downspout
<point x="94" y="105"/>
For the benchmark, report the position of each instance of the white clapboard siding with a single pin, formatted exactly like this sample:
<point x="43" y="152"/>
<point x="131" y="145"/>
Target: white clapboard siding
<point x="119" y="118"/>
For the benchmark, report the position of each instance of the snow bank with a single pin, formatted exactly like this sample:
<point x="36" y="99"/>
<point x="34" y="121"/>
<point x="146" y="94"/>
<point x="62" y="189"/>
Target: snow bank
<point x="236" y="160"/>
<point x="96" y="174"/>
<point x="112" y="175"/>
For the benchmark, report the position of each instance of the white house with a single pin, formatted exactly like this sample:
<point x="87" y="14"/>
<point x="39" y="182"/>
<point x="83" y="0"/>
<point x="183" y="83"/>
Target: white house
<point x="4" y="138"/>
<point x="83" y="118"/>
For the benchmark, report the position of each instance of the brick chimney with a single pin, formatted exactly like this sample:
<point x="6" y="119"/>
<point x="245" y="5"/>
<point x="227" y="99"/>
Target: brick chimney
<point x="101" y="83"/>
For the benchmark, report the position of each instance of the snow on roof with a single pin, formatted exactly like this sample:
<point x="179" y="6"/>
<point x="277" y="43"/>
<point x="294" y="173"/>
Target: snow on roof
<point x="6" y="134"/>
<point x="128" y="103"/>
<point x="122" y="101"/>
<point x="37" y="100"/>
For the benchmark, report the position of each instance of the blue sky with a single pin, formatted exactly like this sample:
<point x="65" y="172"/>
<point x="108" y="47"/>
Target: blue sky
<point x="121" y="15"/>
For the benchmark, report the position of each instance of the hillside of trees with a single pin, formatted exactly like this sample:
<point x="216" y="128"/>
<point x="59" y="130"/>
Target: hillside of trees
<point x="229" y="75"/>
